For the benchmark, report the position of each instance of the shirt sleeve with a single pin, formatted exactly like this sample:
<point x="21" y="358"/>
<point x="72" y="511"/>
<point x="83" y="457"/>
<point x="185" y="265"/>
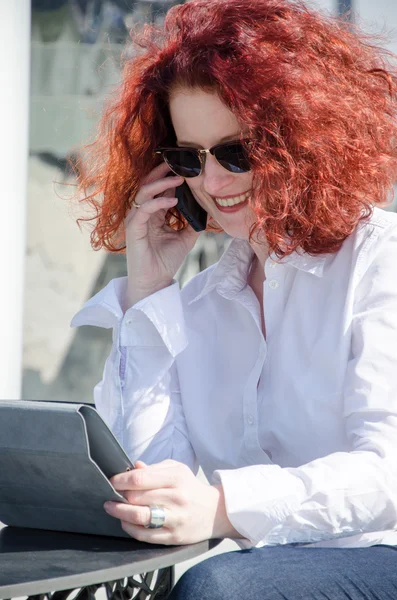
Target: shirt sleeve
<point x="345" y="493"/>
<point x="139" y="396"/>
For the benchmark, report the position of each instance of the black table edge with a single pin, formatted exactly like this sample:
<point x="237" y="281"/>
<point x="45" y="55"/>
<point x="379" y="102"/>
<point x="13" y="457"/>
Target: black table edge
<point x="181" y="554"/>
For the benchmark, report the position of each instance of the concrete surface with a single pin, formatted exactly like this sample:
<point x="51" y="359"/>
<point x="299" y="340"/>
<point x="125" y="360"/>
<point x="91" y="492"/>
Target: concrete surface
<point x="60" y="268"/>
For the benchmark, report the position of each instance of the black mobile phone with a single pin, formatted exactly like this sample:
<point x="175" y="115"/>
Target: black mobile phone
<point x="190" y="208"/>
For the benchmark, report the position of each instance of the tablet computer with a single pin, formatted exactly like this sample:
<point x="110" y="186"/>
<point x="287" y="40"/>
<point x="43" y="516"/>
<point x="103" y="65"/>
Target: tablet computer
<point x="56" y="459"/>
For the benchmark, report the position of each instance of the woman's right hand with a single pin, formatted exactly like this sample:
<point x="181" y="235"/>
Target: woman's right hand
<point x="154" y="250"/>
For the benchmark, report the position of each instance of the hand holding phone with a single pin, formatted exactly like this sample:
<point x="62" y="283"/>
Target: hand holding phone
<point x="155" y="252"/>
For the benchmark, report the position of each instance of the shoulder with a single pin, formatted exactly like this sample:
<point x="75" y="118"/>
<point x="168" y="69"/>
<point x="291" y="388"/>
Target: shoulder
<point x="374" y="250"/>
<point x="374" y="235"/>
<point x="380" y="223"/>
<point x="381" y="220"/>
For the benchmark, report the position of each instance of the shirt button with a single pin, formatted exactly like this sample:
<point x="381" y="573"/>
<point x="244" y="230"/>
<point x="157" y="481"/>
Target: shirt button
<point x="273" y="265"/>
<point x="273" y="284"/>
<point x="250" y="419"/>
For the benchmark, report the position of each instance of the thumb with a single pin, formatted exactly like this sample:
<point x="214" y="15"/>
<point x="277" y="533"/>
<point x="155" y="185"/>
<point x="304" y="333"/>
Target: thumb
<point x="140" y="464"/>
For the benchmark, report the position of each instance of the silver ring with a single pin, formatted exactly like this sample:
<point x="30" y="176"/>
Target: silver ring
<point x="157" y="517"/>
<point x="135" y="204"/>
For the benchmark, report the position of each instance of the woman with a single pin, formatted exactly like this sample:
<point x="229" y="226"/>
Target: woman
<point x="275" y="369"/>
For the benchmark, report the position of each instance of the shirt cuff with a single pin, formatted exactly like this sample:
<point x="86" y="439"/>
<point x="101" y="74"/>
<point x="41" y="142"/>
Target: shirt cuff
<point x="164" y="310"/>
<point x="258" y="499"/>
<point x="103" y="309"/>
<point x="153" y="321"/>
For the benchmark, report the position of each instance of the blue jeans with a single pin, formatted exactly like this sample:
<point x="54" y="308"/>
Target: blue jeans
<point x="293" y="573"/>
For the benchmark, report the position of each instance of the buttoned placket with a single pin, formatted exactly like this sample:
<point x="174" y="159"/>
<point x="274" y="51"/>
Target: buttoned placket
<point x="273" y="292"/>
<point x="253" y="451"/>
<point x="273" y="289"/>
<point x="253" y="402"/>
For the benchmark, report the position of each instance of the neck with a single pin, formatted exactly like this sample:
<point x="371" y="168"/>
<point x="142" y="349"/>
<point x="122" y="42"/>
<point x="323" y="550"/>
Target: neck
<point x="261" y="251"/>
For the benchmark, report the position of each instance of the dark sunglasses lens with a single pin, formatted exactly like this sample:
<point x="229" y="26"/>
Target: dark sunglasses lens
<point x="183" y="162"/>
<point x="233" y="157"/>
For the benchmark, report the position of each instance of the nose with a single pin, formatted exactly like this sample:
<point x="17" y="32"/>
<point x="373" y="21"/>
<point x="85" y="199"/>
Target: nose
<point x="216" y="178"/>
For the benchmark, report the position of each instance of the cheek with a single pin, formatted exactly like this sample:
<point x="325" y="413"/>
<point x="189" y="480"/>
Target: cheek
<point x="241" y="183"/>
<point x="248" y="180"/>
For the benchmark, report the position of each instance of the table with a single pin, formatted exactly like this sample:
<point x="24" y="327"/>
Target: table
<point x="52" y="565"/>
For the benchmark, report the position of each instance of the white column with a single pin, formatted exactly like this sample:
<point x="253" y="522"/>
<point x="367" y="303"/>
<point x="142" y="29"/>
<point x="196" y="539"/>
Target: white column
<point x="14" y="119"/>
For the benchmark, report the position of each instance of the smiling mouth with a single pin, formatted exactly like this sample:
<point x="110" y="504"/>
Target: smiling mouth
<point x="233" y="200"/>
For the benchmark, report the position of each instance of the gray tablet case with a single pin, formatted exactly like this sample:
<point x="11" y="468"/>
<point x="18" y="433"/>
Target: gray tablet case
<point x="56" y="459"/>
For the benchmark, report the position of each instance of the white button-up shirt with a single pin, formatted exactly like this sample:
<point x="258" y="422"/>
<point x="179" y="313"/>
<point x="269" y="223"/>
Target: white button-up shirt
<point x="301" y="427"/>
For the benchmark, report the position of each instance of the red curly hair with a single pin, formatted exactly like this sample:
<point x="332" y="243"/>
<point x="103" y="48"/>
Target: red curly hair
<point x="318" y="100"/>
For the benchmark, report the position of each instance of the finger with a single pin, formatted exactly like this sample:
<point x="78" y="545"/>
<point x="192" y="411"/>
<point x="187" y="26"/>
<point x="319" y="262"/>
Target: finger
<point x="160" y="497"/>
<point x="157" y="172"/>
<point x="135" y="515"/>
<point x="162" y="536"/>
<point x="140" y="464"/>
<point x="168" y="463"/>
<point x="141" y="215"/>
<point x="150" y="478"/>
<point x="155" y="188"/>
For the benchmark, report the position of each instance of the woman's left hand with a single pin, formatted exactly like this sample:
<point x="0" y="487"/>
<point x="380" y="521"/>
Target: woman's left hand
<point x="194" y="511"/>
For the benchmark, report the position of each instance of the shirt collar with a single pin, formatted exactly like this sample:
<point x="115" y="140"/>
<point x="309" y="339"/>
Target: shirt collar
<point x="230" y="274"/>
<point x="306" y="262"/>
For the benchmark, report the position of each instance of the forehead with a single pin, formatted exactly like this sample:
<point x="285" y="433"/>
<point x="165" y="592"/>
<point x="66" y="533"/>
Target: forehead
<point x="200" y="117"/>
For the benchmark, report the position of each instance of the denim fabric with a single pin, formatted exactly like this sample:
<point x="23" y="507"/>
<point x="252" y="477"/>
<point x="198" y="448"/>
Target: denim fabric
<point x="293" y="573"/>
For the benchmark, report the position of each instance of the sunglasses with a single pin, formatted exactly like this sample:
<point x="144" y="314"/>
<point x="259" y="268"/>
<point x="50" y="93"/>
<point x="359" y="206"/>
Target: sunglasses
<point x="190" y="162"/>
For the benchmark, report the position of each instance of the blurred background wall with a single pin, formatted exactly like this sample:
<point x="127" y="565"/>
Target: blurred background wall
<point x="75" y="50"/>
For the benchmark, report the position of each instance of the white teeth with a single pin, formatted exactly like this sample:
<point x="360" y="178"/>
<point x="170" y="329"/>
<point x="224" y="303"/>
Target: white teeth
<point x="233" y="201"/>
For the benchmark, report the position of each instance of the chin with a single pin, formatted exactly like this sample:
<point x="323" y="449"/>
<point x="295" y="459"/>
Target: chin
<point x="238" y="230"/>
<point x="234" y="232"/>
